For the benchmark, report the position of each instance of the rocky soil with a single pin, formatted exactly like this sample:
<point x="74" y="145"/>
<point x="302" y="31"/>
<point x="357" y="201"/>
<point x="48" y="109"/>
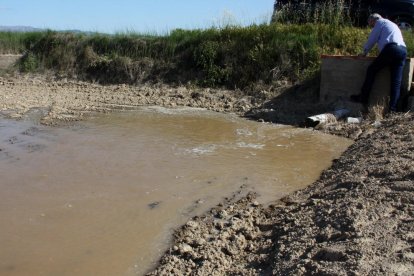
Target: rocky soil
<point x="357" y="219"/>
<point x="67" y="100"/>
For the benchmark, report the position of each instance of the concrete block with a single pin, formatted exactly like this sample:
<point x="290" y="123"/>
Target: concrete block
<point x="342" y="76"/>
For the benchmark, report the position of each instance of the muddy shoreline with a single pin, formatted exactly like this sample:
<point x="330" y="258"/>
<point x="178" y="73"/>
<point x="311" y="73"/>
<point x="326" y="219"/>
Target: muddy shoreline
<point x="63" y="100"/>
<point x="357" y="219"/>
<point x="66" y="100"/>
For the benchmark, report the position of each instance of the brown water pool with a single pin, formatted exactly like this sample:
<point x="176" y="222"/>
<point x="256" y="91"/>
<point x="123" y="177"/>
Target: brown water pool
<point x="103" y="196"/>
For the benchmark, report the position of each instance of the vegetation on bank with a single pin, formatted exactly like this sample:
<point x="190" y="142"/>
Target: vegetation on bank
<point x="16" y="42"/>
<point x="231" y="56"/>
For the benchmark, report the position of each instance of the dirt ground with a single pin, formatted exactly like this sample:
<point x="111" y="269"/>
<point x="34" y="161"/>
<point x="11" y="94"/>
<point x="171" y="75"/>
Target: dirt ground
<point x="357" y="219"/>
<point x="66" y="100"/>
<point x="7" y="60"/>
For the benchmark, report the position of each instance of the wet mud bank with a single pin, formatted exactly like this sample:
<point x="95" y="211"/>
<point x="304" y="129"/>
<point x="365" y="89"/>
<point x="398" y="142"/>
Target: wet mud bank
<point x="63" y="100"/>
<point x="357" y="219"/>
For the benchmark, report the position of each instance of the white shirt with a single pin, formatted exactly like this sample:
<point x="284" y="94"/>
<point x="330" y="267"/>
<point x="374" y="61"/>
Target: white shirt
<point x="384" y="32"/>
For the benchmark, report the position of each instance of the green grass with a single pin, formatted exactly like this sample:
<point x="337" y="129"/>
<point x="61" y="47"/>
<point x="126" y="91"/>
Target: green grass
<point x="231" y="56"/>
<point x="16" y="43"/>
<point x="326" y="12"/>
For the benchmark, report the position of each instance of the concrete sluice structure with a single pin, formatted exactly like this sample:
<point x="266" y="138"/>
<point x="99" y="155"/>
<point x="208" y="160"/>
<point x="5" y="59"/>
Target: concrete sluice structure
<point x="342" y="76"/>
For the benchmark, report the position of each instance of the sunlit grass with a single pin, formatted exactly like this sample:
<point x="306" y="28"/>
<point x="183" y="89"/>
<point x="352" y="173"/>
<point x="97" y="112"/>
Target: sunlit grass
<point x="332" y="12"/>
<point x="17" y="42"/>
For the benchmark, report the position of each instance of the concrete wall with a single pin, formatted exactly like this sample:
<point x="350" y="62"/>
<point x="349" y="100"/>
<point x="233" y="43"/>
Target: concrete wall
<point x="342" y="76"/>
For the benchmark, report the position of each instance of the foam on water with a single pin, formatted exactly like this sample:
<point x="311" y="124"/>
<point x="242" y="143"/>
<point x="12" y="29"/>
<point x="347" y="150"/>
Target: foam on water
<point x="244" y="132"/>
<point x="250" y="145"/>
<point x="201" y="150"/>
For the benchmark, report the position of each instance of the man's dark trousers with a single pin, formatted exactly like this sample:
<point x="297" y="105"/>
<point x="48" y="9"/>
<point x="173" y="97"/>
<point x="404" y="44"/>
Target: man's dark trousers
<point x="393" y="56"/>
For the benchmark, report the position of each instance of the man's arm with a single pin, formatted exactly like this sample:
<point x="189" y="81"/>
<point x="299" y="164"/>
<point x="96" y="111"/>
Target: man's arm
<point x="372" y="38"/>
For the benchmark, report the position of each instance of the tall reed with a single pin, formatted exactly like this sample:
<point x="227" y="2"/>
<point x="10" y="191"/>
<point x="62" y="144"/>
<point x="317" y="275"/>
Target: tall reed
<point x="17" y="42"/>
<point x="332" y="12"/>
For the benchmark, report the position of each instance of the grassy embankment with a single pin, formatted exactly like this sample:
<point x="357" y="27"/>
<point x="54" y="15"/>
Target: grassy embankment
<point x="232" y="56"/>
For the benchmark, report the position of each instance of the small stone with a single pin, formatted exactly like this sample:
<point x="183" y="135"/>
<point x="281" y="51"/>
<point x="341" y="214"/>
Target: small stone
<point x="192" y="224"/>
<point x="376" y="124"/>
<point x="222" y="214"/>
<point x="330" y="255"/>
<point x="219" y="225"/>
<point x="185" y="248"/>
<point x="199" y="242"/>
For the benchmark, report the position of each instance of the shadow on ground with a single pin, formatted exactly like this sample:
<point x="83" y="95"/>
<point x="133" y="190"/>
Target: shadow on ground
<point x="293" y="105"/>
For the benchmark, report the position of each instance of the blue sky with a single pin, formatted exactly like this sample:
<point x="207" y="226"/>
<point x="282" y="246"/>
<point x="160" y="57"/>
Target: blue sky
<point x="144" y="16"/>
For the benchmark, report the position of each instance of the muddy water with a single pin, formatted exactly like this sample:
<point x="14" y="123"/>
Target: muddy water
<point x="101" y="197"/>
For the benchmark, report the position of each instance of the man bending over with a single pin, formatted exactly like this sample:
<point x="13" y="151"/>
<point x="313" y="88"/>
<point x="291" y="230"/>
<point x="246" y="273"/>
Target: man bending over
<point x="393" y="53"/>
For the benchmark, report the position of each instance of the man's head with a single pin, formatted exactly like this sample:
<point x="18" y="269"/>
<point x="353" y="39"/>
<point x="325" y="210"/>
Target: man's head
<point x="372" y="19"/>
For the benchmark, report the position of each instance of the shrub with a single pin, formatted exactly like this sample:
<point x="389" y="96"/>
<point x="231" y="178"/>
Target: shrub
<point x="28" y="63"/>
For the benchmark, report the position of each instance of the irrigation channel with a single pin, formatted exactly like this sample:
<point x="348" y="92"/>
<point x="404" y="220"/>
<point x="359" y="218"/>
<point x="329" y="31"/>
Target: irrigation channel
<point x="102" y="196"/>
